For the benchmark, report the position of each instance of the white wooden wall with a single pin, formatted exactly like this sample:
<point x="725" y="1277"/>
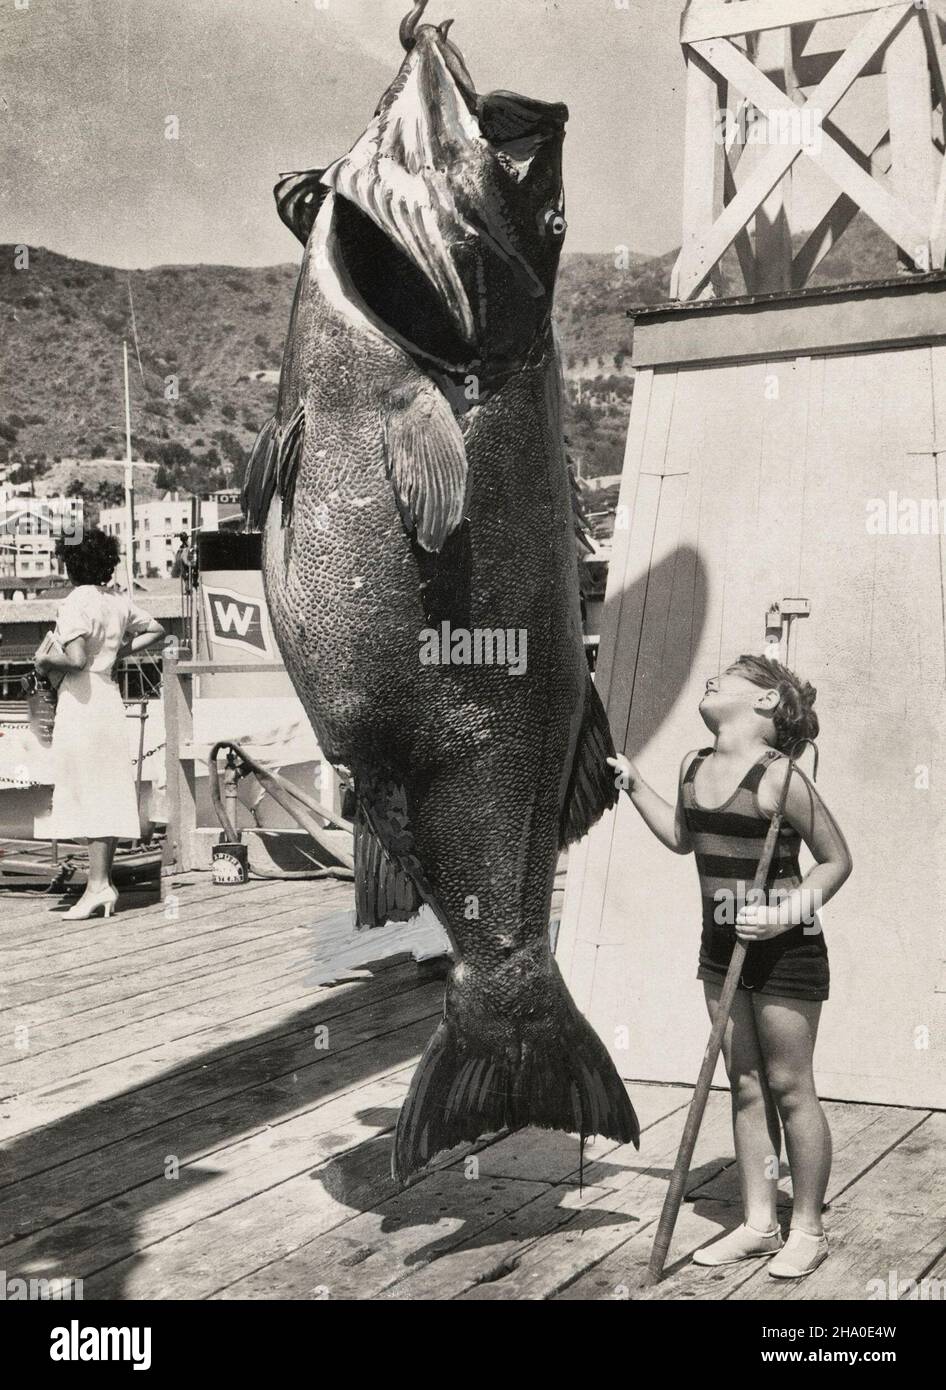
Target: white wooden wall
<point x="747" y="482"/>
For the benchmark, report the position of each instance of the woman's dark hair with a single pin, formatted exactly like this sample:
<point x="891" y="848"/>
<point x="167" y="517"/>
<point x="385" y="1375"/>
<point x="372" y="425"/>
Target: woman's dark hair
<point x="794" y="718"/>
<point x="93" y="560"/>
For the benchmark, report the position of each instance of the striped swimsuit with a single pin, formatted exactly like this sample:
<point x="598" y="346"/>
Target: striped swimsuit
<point x="728" y="843"/>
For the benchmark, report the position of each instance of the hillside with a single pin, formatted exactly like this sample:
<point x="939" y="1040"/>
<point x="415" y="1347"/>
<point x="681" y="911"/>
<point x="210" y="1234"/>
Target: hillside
<point x="200" y="331"/>
<point x="204" y="331"/>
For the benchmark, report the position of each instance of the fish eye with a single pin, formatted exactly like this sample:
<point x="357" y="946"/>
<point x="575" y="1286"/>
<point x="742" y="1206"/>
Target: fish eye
<point x="555" y="223"/>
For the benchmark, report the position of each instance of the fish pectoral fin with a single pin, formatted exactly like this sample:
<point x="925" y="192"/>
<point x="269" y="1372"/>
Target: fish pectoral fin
<point x="591" y="787"/>
<point x="259" y="483"/>
<point x="272" y="468"/>
<point x="298" y="200"/>
<point x="291" y="440"/>
<point x="427" y="464"/>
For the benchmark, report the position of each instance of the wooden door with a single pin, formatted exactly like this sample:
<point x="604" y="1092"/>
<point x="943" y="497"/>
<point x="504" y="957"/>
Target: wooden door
<point x="745" y="484"/>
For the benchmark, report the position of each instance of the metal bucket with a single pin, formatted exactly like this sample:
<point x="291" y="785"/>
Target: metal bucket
<point x="230" y="863"/>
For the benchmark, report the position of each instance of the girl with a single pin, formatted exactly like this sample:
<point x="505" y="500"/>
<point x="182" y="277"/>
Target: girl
<point x="758" y="711"/>
<point x="94" y="791"/>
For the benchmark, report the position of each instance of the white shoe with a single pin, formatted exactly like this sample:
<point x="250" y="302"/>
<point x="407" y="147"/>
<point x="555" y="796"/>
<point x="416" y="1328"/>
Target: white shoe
<point x="744" y="1243"/>
<point x="90" y="903"/>
<point x="802" y="1255"/>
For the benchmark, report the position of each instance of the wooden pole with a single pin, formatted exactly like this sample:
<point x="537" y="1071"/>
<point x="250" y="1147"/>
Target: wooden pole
<point x="129" y="488"/>
<point x="691" y="1130"/>
<point x="143" y="719"/>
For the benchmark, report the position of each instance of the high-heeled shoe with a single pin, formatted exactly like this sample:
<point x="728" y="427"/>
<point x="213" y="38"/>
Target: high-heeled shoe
<point x="90" y="903"/>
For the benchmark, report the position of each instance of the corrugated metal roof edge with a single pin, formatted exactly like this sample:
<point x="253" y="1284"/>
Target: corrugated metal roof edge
<point x="904" y="283"/>
<point x="45" y="610"/>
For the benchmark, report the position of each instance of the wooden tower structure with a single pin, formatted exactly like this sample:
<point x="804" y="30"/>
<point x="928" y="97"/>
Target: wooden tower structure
<point x="761" y="81"/>
<point x="784" y="488"/>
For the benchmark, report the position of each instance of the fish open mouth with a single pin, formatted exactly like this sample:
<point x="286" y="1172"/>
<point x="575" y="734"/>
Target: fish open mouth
<point x="448" y="211"/>
<point x="397" y="291"/>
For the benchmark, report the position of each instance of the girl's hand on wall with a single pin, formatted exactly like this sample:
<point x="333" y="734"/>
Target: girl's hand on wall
<point x="627" y="775"/>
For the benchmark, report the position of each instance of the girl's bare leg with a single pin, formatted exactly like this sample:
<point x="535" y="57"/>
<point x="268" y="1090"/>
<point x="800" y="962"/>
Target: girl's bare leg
<point x="755" y="1118"/>
<point x="787" y="1029"/>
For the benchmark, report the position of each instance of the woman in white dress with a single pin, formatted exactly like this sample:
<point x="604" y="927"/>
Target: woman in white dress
<point x="94" y="791"/>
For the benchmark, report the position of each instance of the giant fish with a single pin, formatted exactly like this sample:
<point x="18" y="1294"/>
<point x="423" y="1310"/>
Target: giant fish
<point x="420" y="568"/>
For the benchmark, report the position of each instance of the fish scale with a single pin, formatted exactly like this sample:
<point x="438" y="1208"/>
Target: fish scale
<point x="411" y="505"/>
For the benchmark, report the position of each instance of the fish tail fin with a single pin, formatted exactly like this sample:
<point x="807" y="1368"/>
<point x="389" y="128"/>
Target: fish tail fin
<point x="476" y="1081"/>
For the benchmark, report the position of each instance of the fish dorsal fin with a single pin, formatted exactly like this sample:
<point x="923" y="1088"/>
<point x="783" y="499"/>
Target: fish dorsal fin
<point x="427" y="464"/>
<point x="298" y="199"/>
<point x="584" y="531"/>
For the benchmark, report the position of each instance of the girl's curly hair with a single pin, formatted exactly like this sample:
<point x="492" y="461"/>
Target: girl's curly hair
<point x="794" y="719"/>
<point x="93" y="560"/>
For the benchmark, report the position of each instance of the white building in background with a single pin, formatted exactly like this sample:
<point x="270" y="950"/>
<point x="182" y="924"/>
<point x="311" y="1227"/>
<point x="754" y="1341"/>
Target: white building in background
<point x="158" y="526"/>
<point x="29" y="529"/>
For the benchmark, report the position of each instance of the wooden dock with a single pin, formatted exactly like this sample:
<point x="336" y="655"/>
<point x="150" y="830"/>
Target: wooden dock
<point x="186" y="1115"/>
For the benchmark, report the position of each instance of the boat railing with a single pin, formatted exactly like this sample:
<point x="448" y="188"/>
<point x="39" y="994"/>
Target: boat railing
<point x="188" y="844"/>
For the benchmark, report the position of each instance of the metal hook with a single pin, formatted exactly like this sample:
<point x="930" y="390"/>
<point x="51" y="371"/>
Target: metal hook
<point x="408" y="30"/>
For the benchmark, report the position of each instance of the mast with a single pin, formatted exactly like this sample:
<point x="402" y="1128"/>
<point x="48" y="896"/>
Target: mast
<point x="129" y="488"/>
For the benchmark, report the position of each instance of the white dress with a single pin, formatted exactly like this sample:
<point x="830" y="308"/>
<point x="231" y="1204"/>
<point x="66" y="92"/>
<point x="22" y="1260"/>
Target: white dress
<point x="94" y="787"/>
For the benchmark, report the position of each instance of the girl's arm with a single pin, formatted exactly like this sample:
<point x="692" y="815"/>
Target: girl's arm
<point x="667" y="822"/>
<point x="73" y="658"/>
<point x="806" y="812"/>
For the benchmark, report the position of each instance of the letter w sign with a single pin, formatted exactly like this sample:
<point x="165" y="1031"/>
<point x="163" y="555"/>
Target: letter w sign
<point x="235" y="620"/>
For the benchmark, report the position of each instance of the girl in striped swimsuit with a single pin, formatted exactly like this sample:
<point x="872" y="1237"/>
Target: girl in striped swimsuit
<point x="758" y="710"/>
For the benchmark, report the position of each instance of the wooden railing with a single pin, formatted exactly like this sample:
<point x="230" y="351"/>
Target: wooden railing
<point x="187" y="845"/>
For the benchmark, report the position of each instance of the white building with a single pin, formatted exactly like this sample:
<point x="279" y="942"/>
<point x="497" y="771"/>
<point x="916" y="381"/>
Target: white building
<point x="158" y="526"/>
<point x="29" y="529"/>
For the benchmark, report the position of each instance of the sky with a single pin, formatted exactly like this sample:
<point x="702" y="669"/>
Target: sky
<point x="90" y="90"/>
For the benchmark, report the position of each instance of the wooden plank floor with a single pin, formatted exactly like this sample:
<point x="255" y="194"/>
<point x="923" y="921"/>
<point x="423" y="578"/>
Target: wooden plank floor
<point x="184" y="1113"/>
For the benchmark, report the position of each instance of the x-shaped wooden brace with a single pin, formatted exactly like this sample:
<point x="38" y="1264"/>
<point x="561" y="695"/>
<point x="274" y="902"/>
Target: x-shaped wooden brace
<point x="897" y="220"/>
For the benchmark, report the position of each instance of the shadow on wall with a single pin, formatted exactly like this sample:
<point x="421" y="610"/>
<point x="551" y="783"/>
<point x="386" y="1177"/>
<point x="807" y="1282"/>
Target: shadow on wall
<point x="658" y="622"/>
